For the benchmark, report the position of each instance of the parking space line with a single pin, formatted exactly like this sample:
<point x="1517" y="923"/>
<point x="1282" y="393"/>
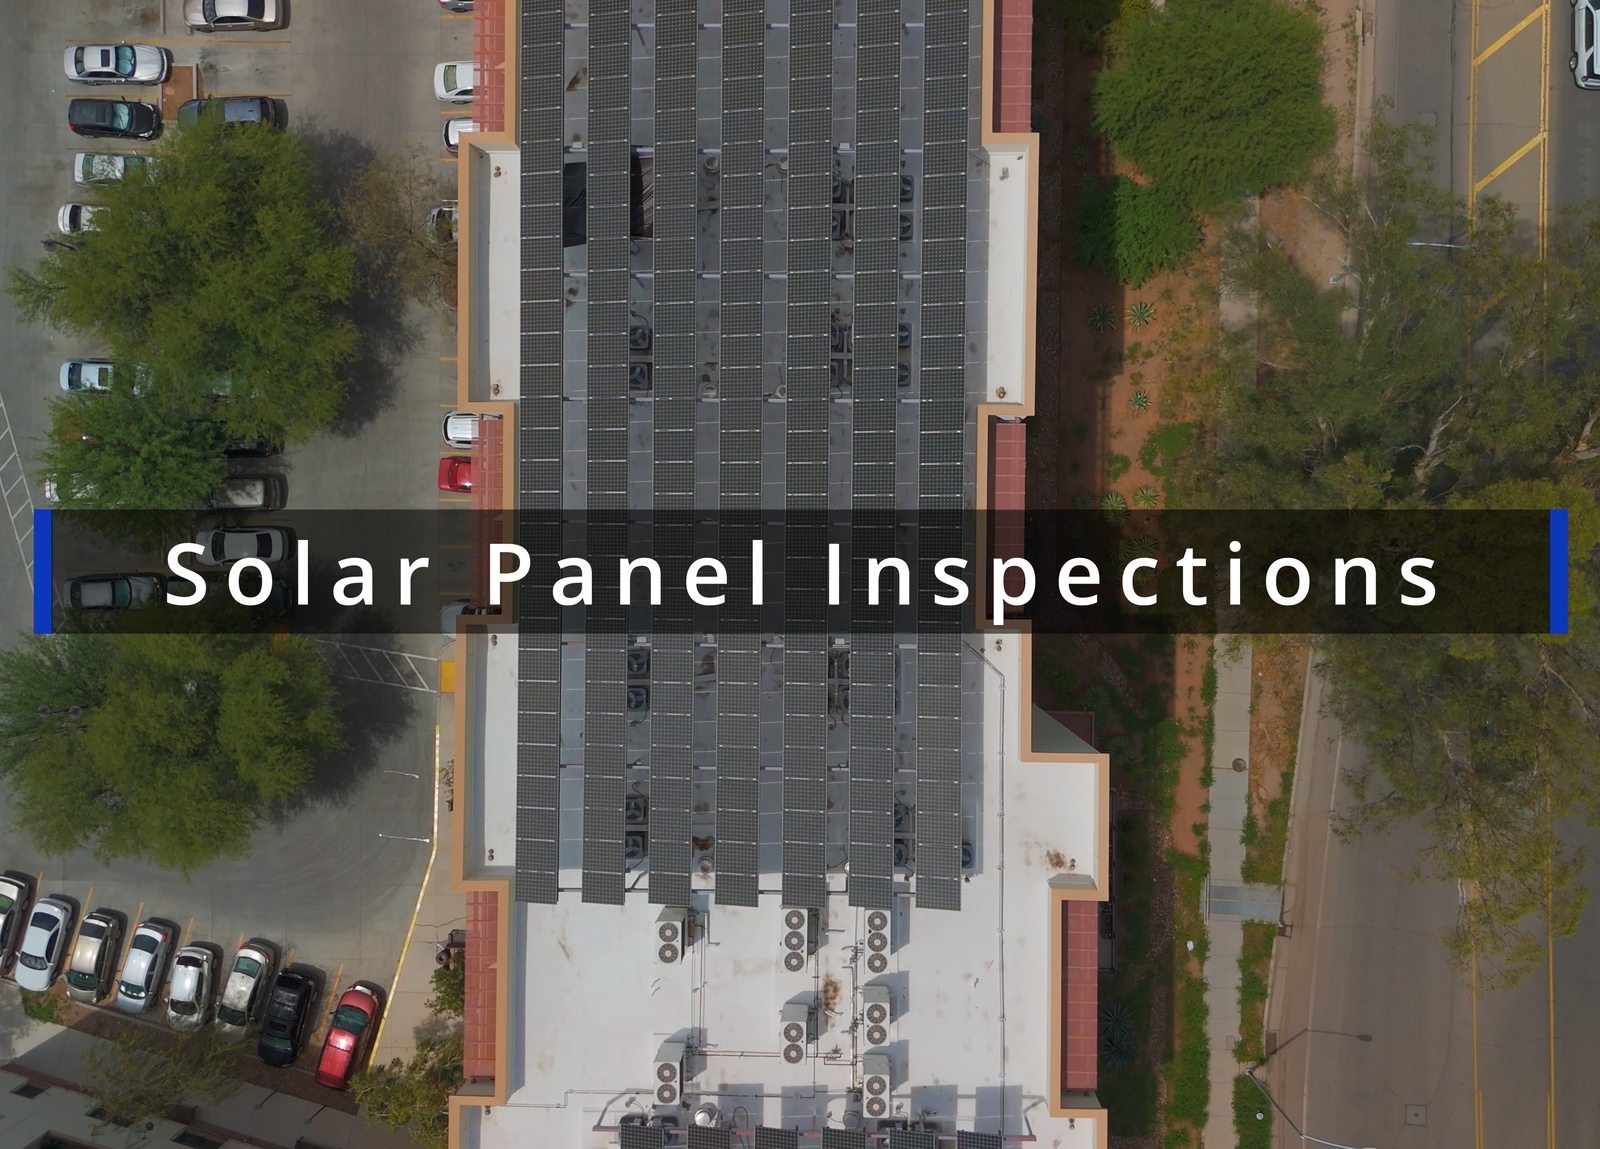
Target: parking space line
<point x="22" y="509"/>
<point x="186" y="930"/>
<point x="1509" y="36"/>
<point x="455" y="15"/>
<point x="239" y="945"/>
<point x="455" y="498"/>
<point x="133" y="925"/>
<point x="196" y="40"/>
<point x="449" y="159"/>
<point x="327" y="1006"/>
<point x="1506" y="163"/>
<point x="447" y="359"/>
<point x="433" y="852"/>
<point x="263" y="95"/>
<point x="288" y="958"/>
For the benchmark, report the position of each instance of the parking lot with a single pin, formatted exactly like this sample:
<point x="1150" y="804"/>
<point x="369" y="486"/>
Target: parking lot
<point x="334" y="881"/>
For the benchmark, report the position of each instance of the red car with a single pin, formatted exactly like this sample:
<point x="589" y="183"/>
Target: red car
<point x="455" y="473"/>
<point x="349" y="1036"/>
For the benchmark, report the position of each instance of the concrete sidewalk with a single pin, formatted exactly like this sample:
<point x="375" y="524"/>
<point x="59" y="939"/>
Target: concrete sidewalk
<point x="1229" y="796"/>
<point x="440" y="909"/>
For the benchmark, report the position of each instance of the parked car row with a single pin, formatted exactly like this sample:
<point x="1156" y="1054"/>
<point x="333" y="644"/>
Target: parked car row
<point x="256" y="991"/>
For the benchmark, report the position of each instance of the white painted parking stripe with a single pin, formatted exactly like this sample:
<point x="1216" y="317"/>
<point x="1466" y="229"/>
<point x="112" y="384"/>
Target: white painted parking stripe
<point x="16" y="504"/>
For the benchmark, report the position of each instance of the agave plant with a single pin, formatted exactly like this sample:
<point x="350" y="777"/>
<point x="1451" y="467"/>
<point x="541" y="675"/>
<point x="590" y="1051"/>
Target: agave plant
<point x="1080" y="156"/>
<point x="1114" y="508"/>
<point x="1140" y="314"/>
<point x="1102" y="318"/>
<point x="1116" y="1017"/>
<point x="1145" y="547"/>
<point x="1146" y="497"/>
<point x="1121" y="749"/>
<point x="1117" y="1055"/>
<point x="1139" y="400"/>
<point x="1096" y="698"/>
<point x="1083" y="502"/>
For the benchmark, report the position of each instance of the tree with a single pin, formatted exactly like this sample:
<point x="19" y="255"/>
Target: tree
<point x="1216" y="98"/>
<point x="414" y="1095"/>
<point x="140" y="1076"/>
<point x="179" y="745"/>
<point x="449" y="990"/>
<point x="388" y="211"/>
<point x="120" y="451"/>
<point x="219" y="267"/>
<point x="1131" y="232"/>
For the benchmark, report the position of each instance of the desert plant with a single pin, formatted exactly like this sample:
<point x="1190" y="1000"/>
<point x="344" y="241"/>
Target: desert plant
<point x="1140" y="314"/>
<point x="1102" y="318"/>
<point x="1115" y="508"/>
<point x="1146" y="498"/>
<point x="1139" y="400"/>
<point x="1080" y="156"/>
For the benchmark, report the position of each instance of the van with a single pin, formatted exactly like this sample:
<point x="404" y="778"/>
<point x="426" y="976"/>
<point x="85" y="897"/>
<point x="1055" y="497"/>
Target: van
<point x="1585" y="22"/>
<point x="249" y="493"/>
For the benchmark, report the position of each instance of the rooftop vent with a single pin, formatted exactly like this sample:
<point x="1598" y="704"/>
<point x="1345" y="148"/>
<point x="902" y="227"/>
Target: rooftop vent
<point x="672" y="935"/>
<point x="875" y="1083"/>
<point x="669" y="1072"/>
<point x="799" y="938"/>
<point x="877" y="1001"/>
<point x="799" y="1021"/>
<point x="877" y="941"/>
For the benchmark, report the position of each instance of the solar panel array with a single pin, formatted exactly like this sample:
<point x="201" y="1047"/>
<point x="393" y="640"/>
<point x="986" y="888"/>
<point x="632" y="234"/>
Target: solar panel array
<point x="810" y="274"/>
<point x="674" y="387"/>
<point x="609" y="243"/>
<point x="872" y="470"/>
<point x="912" y="1139"/>
<point x="767" y="1138"/>
<point x="966" y="1140"/>
<point x="642" y="1137"/>
<point x="743" y="161"/>
<point x="539" y="132"/>
<point x="701" y="1137"/>
<point x="843" y="1139"/>
<point x="940" y="441"/>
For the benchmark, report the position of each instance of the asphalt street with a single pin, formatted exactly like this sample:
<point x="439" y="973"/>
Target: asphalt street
<point x="1374" y="1028"/>
<point x="337" y="879"/>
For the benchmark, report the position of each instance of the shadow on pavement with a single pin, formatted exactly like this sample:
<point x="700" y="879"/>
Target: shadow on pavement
<point x="376" y="716"/>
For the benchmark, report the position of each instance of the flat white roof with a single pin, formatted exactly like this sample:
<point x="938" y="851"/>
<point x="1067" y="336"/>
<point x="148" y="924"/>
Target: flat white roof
<point x="968" y="1036"/>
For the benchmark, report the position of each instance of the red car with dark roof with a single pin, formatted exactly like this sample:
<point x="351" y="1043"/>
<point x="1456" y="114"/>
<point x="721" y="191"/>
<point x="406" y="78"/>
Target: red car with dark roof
<point x="350" y="1033"/>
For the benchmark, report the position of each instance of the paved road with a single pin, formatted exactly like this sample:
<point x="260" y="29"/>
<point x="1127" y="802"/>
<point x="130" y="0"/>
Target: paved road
<point x="1366" y="957"/>
<point x="337" y="880"/>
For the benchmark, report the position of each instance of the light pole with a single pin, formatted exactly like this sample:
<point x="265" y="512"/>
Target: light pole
<point x="1251" y="1072"/>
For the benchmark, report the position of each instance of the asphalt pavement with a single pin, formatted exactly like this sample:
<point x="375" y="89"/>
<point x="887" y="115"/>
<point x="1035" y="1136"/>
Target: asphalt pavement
<point x="336" y="880"/>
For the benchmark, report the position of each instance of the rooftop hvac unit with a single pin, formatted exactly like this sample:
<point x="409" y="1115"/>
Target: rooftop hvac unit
<point x="669" y="1072"/>
<point x="640" y="336"/>
<point x="635" y="809"/>
<point x="799" y="935"/>
<point x="877" y="941"/>
<point x="672" y="935"/>
<point x="638" y="699"/>
<point x="639" y="662"/>
<point x="877" y="1001"/>
<point x="902" y="817"/>
<point x="798" y="1030"/>
<point x="635" y="848"/>
<point x="875" y="1083"/>
<point x="969" y="857"/>
<point x="908" y="188"/>
<point x="902" y="853"/>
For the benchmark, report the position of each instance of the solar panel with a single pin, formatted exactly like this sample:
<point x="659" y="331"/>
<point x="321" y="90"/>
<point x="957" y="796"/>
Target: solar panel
<point x="968" y="1140"/>
<point x="781" y="1138"/>
<point x="642" y="1137"/>
<point x="842" y="1139"/>
<point x="912" y="1139"/>
<point x="701" y="1137"/>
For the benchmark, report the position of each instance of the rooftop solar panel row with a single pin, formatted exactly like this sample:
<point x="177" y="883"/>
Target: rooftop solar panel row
<point x="540" y="100"/>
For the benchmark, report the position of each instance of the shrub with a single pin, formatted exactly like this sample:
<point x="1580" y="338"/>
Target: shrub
<point x="1217" y="98"/>
<point x="1132" y="232"/>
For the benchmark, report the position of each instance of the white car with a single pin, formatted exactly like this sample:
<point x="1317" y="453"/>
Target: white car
<point x="141" y="969"/>
<point x="232" y="15"/>
<point x="1585" y="62"/>
<point x="189" y="994"/>
<point x="456" y="127"/>
<point x="456" y="81"/>
<point x="98" y="167"/>
<point x="117" y="64"/>
<point x="45" y="943"/>
<point x="460" y="428"/>
<point x="230" y="544"/>
<point x="85" y="376"/>
<point x="76" y="218"/>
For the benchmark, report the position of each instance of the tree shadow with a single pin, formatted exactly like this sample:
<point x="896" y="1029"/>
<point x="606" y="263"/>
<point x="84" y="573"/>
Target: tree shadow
<point x="376" y="716"/>
<point x="386" y="334"/>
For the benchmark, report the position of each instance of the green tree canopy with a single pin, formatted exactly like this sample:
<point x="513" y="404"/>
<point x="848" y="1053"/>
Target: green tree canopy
<point x="183" y="743"/>
<point x="414" y="1095"/>
<point x="1216" y="98"/>
<point x="387" y="210"/>
<point x="220" y="267"/>
<point x="1131" y="232"/>
<point x="121" y="450"/>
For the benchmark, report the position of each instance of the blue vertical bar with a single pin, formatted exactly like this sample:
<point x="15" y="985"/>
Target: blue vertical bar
<point x="44" y="576"/>
<point x="1558" y="572"/>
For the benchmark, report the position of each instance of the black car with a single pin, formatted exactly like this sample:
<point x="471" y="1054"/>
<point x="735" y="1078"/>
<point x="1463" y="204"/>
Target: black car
<point x="232" y="110"/>
<point x="118" y="119"/>
<point x="283" y="1025"/>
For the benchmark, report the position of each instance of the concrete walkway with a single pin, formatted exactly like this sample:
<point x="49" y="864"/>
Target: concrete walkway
<point x="1229" y="797"/>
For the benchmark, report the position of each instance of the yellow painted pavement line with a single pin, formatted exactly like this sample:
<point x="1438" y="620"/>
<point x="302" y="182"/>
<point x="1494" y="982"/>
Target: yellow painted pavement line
<point x="198" y="38"/>
<point x="186" y="931"/>
<point x="1506" y="163"/>
<point x="449" y="159"/>
<point x="433" y="852"/>
<point x="133" y="925"/>
<point x="455" y="498"/>
<point x="327" y="1007"/>
<point x="1480" y="57"/>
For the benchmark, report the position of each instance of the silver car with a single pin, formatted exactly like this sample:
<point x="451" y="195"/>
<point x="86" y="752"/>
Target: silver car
<point x="111" y="591"/>
<point x="100" y="167"/>
<point x="93" y="965"/>
<point x="1585" y="38"/>
<point x="116" y="64"/>
<point x="244" y="995"/>
<point x="232" y="15"/>
<point x="228" y="545"/>
<point x="16" y="898"/>
<point x="76" y="218"/>
<point x="189" y="995"/>
<point x="141" y="972"/>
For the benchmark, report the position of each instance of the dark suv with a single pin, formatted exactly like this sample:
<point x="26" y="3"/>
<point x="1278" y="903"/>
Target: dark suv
<point x="118" y="119"/>
<point x="283" y="1025"/>
<point x="232" y="110"/>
